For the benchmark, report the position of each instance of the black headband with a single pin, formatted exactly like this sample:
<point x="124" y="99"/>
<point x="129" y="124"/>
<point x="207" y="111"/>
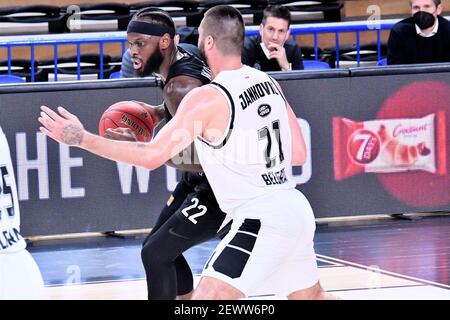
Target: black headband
<point x="152" y="29"/>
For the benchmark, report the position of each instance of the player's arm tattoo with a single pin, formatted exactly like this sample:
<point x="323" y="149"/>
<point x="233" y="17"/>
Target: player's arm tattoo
<point x="72" y="135"/>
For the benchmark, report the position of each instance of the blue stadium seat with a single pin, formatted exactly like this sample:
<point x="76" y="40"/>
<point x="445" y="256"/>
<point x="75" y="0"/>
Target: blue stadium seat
<point x="10" y="78"/>
<point x="382" y="62"/>
<point x="90" y="67"/>
<point x="313" y="11"/>
<point x="315" y="65"/>
<point x="115" y="75"/>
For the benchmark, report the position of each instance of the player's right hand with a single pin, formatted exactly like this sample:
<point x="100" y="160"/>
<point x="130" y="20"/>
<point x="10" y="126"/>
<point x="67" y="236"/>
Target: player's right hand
<point x="122" y="134"/>
<point x="154" y="111"/>
<point x="277" y="51"/>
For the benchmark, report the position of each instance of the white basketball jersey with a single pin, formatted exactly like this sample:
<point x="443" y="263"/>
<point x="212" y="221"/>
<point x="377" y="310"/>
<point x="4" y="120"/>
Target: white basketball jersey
<point x="10" y="238"/>
<point x="252" y="157"/>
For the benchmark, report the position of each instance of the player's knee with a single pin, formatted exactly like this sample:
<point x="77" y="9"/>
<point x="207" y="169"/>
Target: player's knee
<point x="149" y="253"/>
<point x="315" y="292"/>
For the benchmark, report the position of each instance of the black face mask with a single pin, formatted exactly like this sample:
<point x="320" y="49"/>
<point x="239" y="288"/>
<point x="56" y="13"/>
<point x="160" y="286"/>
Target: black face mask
<point x="423" y="19"/>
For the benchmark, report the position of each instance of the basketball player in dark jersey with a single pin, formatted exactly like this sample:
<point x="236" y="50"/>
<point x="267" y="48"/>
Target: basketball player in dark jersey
<point x="192" y="214"/>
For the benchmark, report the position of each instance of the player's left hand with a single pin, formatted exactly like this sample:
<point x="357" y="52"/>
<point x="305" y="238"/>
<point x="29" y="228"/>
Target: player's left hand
<point x="122" y="134"/>
<point x="63" y="127"/>
<point x="277" y="51"/>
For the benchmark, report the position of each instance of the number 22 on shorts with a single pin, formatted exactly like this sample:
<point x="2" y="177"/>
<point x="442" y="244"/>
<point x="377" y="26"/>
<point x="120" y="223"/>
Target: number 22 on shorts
<point x="199" y="210"/>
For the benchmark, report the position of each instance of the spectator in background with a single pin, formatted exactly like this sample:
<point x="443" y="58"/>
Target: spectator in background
<point x="422" y="38"/>
<point x="272" y="50"/>
<point x="126" y="69"/>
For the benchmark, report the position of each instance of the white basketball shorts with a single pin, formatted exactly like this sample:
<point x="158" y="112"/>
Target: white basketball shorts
<point x="20" y="277"/>
<point x="270" y="246"/>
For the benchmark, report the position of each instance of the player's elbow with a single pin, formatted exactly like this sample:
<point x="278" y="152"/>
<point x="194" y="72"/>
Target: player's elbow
<point x="150" y="163"/>
<point x="152" y="166"/>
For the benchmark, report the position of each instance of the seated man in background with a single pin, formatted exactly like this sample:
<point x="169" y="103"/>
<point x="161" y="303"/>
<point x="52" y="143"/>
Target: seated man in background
<point x="126" y="69"/>
<point x="20" y="277"/>
<point x="272" y="50"/>
<point x="422" y="38"/>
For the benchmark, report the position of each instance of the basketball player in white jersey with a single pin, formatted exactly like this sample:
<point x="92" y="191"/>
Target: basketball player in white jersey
<point x="20" y="277"/>
<point x="247" y="136"/>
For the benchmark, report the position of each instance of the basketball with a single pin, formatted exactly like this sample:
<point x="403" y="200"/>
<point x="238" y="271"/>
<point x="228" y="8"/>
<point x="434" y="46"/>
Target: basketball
<point x="128" y="114"/>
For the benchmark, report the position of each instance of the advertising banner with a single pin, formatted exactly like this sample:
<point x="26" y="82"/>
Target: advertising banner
<point x="378" y="143"/>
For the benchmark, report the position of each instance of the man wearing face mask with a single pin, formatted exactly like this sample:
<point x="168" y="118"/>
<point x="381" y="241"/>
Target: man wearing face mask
<point x="422" y="38"/>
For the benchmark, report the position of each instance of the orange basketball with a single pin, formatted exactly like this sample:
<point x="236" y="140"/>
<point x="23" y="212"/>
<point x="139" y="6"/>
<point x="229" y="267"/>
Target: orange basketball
<point x="128" y="114"/>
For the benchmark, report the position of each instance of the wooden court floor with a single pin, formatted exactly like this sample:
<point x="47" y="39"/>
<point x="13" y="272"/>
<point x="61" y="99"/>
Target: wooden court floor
<point x="369" y="259"/>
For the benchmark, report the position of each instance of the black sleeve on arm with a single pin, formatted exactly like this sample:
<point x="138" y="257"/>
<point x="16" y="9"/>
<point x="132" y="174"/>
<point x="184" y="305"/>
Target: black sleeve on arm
<point x="248" y="52"/>
<point x="394" y="49"/>
<point x="296" y="59"/>
<point x="446" y="35"/>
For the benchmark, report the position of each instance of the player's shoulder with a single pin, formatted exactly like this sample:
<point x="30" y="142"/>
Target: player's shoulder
<point x="189" y="49"/>
<point x="205" y="90"/>
<point x="444" y="23"/>
<point x="191" y="66"/>
<point x="204" y="100"/>
<point x="206" y="96"/>
<point x="183" y="81"/>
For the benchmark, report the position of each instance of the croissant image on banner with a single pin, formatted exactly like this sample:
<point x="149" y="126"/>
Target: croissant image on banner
<point x="399" y="154"/>
<point x="389" y="145"/>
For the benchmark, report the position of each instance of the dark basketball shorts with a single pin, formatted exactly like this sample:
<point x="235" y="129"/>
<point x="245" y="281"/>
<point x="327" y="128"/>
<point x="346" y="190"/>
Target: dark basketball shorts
<point x="195" y="215"/>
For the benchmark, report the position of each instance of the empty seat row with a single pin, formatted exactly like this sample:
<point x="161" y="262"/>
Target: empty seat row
<point x="115" y="16"/>
<point x="91" y="66"/>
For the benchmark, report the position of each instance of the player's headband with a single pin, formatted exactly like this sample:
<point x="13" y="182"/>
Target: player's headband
<point x="152" y="29"/>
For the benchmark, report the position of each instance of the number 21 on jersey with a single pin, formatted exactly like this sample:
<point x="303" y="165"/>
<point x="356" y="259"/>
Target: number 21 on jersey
<point x="265" y="133"/>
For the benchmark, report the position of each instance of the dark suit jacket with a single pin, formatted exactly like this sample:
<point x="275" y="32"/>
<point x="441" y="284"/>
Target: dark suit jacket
<point x="253" y="55"/>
